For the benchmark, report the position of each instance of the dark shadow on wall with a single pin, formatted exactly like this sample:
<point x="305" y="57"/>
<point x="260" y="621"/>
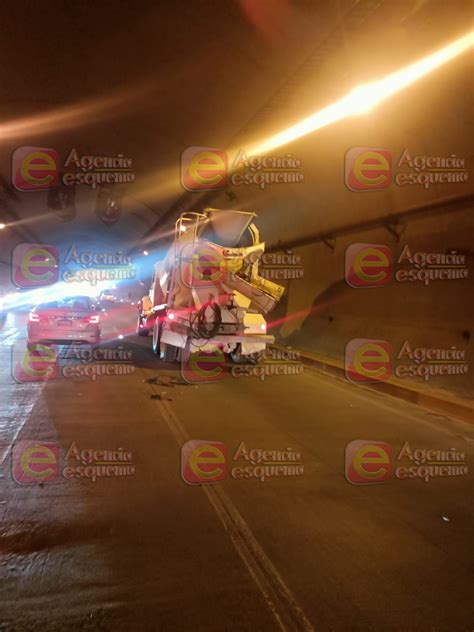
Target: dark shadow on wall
<point x="321" y="322"/>
<point x="429" y="319"/>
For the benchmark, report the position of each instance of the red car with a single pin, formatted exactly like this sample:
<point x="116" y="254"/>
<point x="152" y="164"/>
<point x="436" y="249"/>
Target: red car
<point x="72" y="319"/>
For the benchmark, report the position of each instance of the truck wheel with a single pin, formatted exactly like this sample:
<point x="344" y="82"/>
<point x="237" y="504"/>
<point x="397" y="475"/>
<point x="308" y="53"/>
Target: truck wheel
<point x="170" y="353"/>
<point x="156" y="338"/>
<point x="184" y="353"/>
<point x="165" y="352"/>
<point x="141" y="331"/>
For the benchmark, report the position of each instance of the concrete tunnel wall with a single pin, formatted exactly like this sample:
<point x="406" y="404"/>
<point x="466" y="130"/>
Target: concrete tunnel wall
<point x="321" y="312"/>
<point x="430" y="118"/>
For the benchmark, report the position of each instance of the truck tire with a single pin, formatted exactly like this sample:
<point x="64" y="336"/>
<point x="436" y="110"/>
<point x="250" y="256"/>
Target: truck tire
<point x="184" y="353"/>
<point x="171" y="353"/>
<point x="156" y="338"/>
<point x="141" y="331"/>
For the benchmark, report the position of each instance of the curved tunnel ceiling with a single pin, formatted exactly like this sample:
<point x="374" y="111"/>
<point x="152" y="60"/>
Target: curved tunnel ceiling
<point x="113" y="87"/>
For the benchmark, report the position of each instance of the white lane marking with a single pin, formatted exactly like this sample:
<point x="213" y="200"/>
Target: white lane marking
<point x="418" y="415"/>
<point x="18" y="414"/>
<point x="279" y="598"/>
<point x="17" y="400"/>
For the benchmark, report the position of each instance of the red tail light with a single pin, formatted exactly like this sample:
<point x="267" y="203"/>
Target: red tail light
<point x="33" y="318"/>
<point x="93" y="320"/>
<point x="171" y="316"/>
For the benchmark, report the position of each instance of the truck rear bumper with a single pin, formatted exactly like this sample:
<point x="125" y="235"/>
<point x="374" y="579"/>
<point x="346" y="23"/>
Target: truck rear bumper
<point x="256" y="342"/>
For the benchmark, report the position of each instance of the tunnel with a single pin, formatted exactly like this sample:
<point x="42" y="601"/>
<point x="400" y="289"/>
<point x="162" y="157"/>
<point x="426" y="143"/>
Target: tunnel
<point x="236" y="316"/>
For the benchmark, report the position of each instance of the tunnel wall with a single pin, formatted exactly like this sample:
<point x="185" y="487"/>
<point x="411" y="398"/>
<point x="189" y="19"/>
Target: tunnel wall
<point x="431" y="120"/>
<point x="322" y="312"/>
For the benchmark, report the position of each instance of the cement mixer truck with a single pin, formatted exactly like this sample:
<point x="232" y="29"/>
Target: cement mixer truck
<point x="207" y="290"/>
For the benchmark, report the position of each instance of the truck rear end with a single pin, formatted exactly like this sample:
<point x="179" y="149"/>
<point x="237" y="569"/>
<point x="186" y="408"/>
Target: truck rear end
<point x="207" y="290"/>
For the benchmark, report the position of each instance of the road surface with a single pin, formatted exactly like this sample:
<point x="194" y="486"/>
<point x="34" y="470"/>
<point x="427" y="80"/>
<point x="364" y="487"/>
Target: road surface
<point x="140" y="549"/>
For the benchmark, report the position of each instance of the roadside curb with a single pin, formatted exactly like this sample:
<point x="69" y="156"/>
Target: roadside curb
<point x="452" y="408"/>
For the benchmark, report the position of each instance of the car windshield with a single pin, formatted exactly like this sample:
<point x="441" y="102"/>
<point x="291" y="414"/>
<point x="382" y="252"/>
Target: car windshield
<point x="75" y="302"/>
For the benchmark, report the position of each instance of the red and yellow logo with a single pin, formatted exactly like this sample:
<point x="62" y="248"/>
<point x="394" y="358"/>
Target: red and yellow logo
<point x="368" y="462"/>
<point x="202" y="266"/>
<point x="205" y="365"/>
<point x="204" y="168"/>
<point x="35" y="168"/>
<point x="203" y="462"/>
<point x="368" y="360"/>
<point x="34" y="462"/>
<point x="34" y="265"/>
<point x="368" y="169"/>
<point x="368" y="265"/>
<point x="37" y="364"/>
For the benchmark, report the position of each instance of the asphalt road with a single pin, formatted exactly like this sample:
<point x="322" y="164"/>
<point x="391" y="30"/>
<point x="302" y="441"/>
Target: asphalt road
<point x="140" y="549"/>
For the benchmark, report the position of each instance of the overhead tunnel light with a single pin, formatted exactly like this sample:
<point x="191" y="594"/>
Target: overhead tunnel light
<point x="365" y="97"/>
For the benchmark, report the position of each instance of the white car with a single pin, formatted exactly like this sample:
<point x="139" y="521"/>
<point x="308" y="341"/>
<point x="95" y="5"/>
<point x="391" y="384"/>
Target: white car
<point x="117" y="295"/>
